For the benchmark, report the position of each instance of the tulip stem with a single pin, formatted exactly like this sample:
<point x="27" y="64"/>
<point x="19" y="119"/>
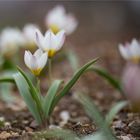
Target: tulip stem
<point x="50" y="70"/>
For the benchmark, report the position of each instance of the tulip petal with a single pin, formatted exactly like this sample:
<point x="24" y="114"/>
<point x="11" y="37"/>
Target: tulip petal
<point x="124" y="52"/>
<point x="33" y="64"/>
<point x="60" y="38"/>
<point x="38" y="53"/>
<point x="71" y="24"/>
<point x="42" y="60"/>
<point x="39" y="39"/>
<point x="135" y="48"/>
<point x="27" y="59"/>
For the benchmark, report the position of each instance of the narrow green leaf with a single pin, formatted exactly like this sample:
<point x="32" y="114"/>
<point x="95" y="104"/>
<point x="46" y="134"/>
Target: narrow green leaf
<point x="71" y="83"/>
<point x="5" y="92"/>
<point x="114" y="110"/>
<point x="73" y="59"/>
<point x="56" y="133"/>
<point x="96" y="136"/>
<point x="33" y="90"/>
<point x="103" y="73"/>
<point x="6" y="80"/>
<point x="25" y="93"/>
<point x="51" y="95"/>
<point x="94" y="114"/>
<point x="90" y="109"/>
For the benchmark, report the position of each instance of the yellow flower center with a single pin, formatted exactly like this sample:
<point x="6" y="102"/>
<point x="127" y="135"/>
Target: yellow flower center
<point x="55" y="29"/>
<point x="51" y="53"/>
<point x="36" y="71"/>
<point x="135" y="59"/>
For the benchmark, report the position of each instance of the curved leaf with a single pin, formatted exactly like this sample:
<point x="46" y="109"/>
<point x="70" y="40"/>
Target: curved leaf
<point x="25" y="93"/>
<point x="33" y="90"/>
<point x="50" y="96"/>
<point x="95" y="114"/>
<point x="71" y="83"/>
<point x="56" y="133"/>
<point x="103" y="73"/>
<point x="7" y="80"/>
<point x="114" y="110"/>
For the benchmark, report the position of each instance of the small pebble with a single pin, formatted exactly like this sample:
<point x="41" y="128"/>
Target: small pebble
<point x="2" y="119"/>
<point x="65" y="116"/>
<point x="34" y="124"/>
<point x="7" y="124"/>
<point x="54" y="126"/>
<point x="125" y="138"/>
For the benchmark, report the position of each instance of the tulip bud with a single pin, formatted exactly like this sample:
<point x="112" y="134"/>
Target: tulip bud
<point x="35" y="62"/>
<point x="131" y="84"/>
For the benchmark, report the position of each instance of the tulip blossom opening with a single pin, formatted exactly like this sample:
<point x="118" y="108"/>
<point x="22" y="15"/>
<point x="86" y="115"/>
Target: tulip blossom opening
<point x="131" y="51"/>
<point x="11" y="39"/>
<point x="29" y="35"/>
<point x="50" y="42"/>
<point x="35" y="62"/>
<point x="57" y="19"/>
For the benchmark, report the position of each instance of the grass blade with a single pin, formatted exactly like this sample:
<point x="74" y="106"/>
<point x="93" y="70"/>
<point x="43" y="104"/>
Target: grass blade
<point x="51" y="95"/>
<point x="114" y="110"/>
<point x="25" y="93"/>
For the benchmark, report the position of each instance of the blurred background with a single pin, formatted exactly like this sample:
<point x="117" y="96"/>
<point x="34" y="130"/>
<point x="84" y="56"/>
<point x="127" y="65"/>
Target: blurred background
<point x="102" y="24"/>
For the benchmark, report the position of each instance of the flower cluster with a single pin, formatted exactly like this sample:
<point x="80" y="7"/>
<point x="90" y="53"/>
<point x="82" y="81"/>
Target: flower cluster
<point x="50" y="43"/>
<point x="13" y="39"/>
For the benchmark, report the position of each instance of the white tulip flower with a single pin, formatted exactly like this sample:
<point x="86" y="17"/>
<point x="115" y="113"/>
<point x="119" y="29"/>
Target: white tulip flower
<point x="29" y="35"/>
<point x="57" y="19"/>
<point x="11" y="39"/>
<point x="131" y="51"/>
<point x="51" y="42"/>
<point x="35" y="62"/>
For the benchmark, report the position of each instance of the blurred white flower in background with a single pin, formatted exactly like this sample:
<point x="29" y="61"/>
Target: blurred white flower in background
<point x="50" y="42"/>
<point x="131" y="73"/>
<point x="11" y="39"/>
<point x="57" y="19"/>
<point x="29" y="35"/>
<point x="131" y="51"/>
<point x="35" y="62"/>
<point x="131" y="84"/>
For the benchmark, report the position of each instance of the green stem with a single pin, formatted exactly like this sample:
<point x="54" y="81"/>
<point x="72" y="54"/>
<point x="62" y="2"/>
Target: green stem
<point x="38" y="87"/>
<point x="50" y="71"/>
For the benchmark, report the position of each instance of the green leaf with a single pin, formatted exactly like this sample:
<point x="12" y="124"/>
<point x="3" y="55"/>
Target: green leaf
<point x="95" y="115"/>
<point x="103" y="73"/>
<point x="5" y="92"/>
<point x="71" y="83"/>
<point x="56" y="133"/>
<point x="6" y="80"/>
<point x="114" y="110"/>
<point x="96" y="136"/>
<point x="25" y="93"/>
<point x="90" y="109"/>
<point x="33" y="90"/>
<point x="73" y="60"/>
<point x="51" y="95"/>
